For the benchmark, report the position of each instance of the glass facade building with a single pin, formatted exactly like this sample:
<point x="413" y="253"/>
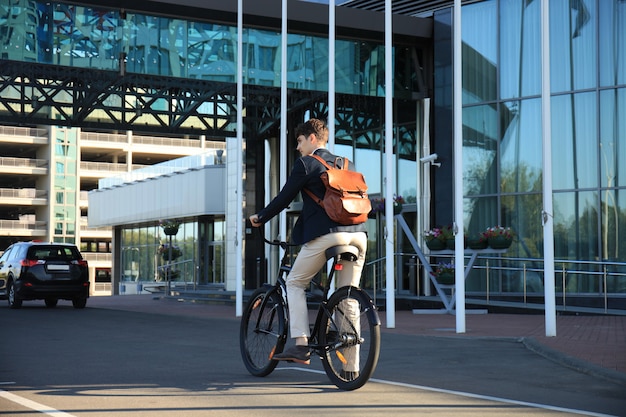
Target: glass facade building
<point x="184" y="68"/>
<point x="502" y="137"/>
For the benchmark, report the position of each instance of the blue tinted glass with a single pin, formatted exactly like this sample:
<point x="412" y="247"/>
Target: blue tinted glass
<point x="480" y="52"/>
<point x="480" y="150"/>
<point x="613" y="138"/>
<point x="520" y="146"/>
<point x="573" y="49"/>
<point x="575" y="230"/>
<point x="574" y="141"/>
<point x="520" y="48"/>
<point x="612" y="15"/>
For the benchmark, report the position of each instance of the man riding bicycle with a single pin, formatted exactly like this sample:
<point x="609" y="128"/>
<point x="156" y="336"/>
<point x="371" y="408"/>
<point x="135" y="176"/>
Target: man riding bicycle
<point x="316" y="232"/>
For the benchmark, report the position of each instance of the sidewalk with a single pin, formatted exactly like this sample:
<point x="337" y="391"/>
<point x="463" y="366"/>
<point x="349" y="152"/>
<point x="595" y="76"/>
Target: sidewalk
<point x="590" y="344"/>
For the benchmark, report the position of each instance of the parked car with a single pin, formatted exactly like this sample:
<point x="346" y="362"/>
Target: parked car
<point x="44" y="271"/>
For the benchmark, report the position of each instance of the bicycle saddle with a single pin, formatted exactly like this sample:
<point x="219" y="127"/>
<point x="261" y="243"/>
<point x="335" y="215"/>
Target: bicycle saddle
<point x="344" y="252"/>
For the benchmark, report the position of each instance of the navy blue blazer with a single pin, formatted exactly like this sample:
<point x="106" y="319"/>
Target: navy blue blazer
<point x="313" y="221"/>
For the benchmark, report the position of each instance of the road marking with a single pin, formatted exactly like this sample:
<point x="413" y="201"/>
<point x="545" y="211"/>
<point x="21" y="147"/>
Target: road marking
<point x="33" y="405"/>
<point x="465" y="394"/>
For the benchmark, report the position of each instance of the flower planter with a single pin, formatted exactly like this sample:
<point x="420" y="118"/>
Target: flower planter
<point x="445" y="278"/>
<point x="436" y="244"/>
<point x="500" y="242"/>
<point x="170" y="230"/>
<point x="477" y="243"/>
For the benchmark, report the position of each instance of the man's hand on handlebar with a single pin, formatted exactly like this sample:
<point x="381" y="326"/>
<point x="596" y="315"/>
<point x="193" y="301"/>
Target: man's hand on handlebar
<point x="254" y="221"/>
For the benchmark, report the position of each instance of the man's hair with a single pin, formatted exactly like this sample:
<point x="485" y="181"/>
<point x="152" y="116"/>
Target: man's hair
<point x="313" y="126"/>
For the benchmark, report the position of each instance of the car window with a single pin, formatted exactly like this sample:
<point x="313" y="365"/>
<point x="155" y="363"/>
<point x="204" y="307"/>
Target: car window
<point x="40" y="252"/>
<point x="6" y="254"/>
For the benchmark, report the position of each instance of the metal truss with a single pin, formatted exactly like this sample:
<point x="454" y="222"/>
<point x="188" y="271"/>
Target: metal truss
<point x="39" y="94"/>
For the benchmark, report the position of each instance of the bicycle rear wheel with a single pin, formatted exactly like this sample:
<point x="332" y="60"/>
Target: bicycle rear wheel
<point x="263" y="331"/>
<point x="350" y="338"/>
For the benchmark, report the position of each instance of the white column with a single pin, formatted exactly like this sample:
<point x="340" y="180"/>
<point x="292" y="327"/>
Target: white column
<point x="331" y="75"/>
<point x="239" y="251"/>
<point x="547" y="213"/>
<point x="459" y="259"/>
<point x="283" y="115"/>
<point x="389" y="182"/>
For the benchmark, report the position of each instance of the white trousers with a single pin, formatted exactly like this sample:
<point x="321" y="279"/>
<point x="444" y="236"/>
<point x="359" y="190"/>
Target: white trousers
<point x="309" y="262"/>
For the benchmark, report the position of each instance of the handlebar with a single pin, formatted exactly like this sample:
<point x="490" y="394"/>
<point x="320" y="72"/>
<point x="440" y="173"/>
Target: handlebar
<point x="275" y="242"/>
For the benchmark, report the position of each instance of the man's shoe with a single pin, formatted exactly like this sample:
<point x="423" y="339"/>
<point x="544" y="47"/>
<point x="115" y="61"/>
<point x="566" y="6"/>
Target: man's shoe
<point x="299" y="354"/>
<point x="349" y="375"/>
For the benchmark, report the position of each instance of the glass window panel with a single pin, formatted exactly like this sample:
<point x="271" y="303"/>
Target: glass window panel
<point x="574" y="142"/>
<point x="520" y="48"/>
<point x="612" y="45"/>
<point x="576" y="225"/>
<point x="522" y="213"/>
<point x="521" y="146"/>
<point x="479" y="51"/>
<point x="369" y="162"/>
<point x="612" y="137"/>
<point x="613" y="225"/>
<point x="480" y="213"/>
<point x="573" y="49"/>
<point x="480" y="170"/>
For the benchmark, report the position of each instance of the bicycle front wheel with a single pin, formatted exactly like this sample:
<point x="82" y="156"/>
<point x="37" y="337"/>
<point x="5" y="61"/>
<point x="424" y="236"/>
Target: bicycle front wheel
<point x="263" y="331"/>
<point x="349" y="335"/>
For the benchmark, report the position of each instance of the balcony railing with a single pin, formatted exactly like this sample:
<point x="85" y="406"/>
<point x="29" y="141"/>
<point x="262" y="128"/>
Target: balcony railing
<point x="22" y="225"/>
<point x="23" y="162"/>
<point x="23" y="131"/>
<point x="30" y="193"/>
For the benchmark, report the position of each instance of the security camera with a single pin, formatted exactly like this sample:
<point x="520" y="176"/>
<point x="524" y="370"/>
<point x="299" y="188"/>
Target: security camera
<point x="430" y="159"/>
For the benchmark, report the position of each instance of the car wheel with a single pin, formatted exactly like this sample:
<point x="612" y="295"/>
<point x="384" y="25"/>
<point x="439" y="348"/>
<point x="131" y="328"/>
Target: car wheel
<point x="51" y="302"/>
<point x="14" y="300"/>
<point x="79" y="302"/>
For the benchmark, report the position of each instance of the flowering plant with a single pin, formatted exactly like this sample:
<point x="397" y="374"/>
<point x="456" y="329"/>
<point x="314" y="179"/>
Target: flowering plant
<point x="434" y="233"/>
<point x="167" y="224"/>
<point x="378" y="204"/>
<point x="444" y="268"/>
<point x="439" y="232"/>
<point x="499" y="231"/>
<point x="164" y="250"/>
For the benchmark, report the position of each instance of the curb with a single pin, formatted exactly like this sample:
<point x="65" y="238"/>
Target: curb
<point x="573" y="363"/>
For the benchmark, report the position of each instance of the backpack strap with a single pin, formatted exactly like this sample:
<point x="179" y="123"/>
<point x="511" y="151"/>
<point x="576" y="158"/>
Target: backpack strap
<point x="315" y="198"/>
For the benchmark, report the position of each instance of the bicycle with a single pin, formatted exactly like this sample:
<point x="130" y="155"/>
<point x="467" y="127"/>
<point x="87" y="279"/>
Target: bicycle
<point x="336" y="338"/>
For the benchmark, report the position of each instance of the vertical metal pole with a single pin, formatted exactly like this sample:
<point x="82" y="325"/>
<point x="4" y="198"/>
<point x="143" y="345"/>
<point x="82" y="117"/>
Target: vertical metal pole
<point x="389" y="172"/>
<point x="239" y="252"/>
<point x="524" y="283"/>
<point x="283" y="116"/>
<point x="547" y="215"/>
<point x="606" y="305"/>
<point x="459" y="259"/>
<point x="331" y="75"/>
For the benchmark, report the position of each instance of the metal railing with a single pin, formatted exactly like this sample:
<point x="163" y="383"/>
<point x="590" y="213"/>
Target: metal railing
<point x="520" y="278"/>
<point x="178" y="274"/>
<point x="31" y="193"/>
<point x="23" y="225"/>
<point x="23" y="162"/>
<point x="23" y="131"/>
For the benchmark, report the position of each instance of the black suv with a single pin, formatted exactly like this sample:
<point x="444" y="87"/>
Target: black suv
<point x="44" y="271"/>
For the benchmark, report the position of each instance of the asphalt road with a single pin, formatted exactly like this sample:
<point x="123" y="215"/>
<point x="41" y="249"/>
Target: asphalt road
<point x="98" y="362"/>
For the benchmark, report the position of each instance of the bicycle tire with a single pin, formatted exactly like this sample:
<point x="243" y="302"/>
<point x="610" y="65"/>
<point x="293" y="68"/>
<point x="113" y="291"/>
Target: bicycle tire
<point x="344" y="341"/>
<point x="259" y="343"/>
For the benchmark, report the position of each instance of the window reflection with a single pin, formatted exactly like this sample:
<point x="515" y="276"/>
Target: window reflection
<point x="574" y="141"/>
<point x="573" y="51"/>
<point x="88" y="37"/>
